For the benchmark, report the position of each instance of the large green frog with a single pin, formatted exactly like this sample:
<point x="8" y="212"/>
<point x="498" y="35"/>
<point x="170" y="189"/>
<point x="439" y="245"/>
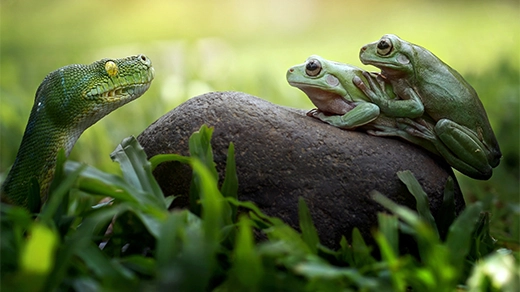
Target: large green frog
<point x="330" y="87"/>
<point x="460" y="130"/>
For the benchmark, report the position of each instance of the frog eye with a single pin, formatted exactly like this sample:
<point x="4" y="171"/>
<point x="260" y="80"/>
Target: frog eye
<point x="313" y="67"/>
<point x="384" y="47"/>
<point x="111" y="68"/>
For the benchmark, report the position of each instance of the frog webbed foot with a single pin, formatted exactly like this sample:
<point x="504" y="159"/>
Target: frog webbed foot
<point x="417" y="127"/>
<point x="383" y="131"/>
<point x="313" y="112"/>
<point x="375" y="90"/>
<point x="320" y="115"/>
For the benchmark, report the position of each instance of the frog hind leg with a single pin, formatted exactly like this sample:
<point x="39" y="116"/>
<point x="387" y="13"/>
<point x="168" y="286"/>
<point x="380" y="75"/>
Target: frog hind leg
<point x="360" y="115"/>
<point x="462" y="149"/>
<point x="388" y="131"/>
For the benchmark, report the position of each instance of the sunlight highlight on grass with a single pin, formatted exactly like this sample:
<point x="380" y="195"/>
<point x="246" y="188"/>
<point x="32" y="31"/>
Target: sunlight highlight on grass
<point x="38" y="255"/>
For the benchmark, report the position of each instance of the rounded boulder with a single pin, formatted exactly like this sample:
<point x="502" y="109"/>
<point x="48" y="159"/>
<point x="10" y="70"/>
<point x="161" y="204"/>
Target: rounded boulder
<point x="282" y="154"/>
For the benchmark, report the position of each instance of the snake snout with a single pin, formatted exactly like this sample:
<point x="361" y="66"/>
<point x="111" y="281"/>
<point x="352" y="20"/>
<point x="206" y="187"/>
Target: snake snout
<point x="145" y="60"/>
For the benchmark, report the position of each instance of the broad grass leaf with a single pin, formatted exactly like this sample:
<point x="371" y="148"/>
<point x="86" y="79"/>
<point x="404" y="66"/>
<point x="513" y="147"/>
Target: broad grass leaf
<point x="96" y="187"/>
<point x="290" y="237"/>
<point x="459" y="238"/>
<point x="148" y="207"/>
<point x="140" y="265"/>
<point x="322" y="270"/>
<point x="15" y="221"/>
<point x="247" y="270"/>
<point x="59" y="177"/>
<point x="361" y="252"/>
<point x="405" y="213"/>
<point x="211" y="200"/>
<point x="309" y="232"/>
<point x="185" y="257"/>
<point x="169" y="243"/>
<point x="80" y="239"/>
<point x="56" y="198"/>
<point x="230" y="185"/>
<point x="99" y="183"/>
<point x="390" y="255"/>
<point x="484" y="243"/>
<point x="200" y="147"/>
<point x="447" y="211"/>
<point x="345" y="252"/>
<point x="110" y="272"/>
<point x="423" y="232"/>
<point x="160" y="158"/>
<point x="136" y="168"/>
<point x="264" y="220"/>
<point x="423" y="207"/>
<point x="389" y="228"/>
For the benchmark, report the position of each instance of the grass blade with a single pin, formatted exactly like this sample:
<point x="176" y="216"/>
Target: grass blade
<point x="361" y="252"/>
<point x="423" y="207"/>
<point x="230" y="185"/>
<point x="459" y="236"/>
<point x="447" y="211"/>
<point x="309" y="232"/>
<point x="136" y="168"/>
<point x="160" y="158"/>
<point x="247" y="270"/>
<point x="389" y="229"/>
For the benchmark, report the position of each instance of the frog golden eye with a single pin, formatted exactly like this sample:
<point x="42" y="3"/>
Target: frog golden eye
<point x="313" y="67"/>
<point x="384" y="47"/>
<point x="111" y="68"/>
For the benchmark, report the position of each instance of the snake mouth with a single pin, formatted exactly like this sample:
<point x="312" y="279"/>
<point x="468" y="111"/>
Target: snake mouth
<point x="122" y="88"/>
<point x="131" y="91"/>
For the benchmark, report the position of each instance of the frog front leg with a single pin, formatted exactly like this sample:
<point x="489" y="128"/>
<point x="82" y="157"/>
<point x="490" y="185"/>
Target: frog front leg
<point x="407" y="105"/>
<point x="460" y="146"/>
<point x="363" y="113"/>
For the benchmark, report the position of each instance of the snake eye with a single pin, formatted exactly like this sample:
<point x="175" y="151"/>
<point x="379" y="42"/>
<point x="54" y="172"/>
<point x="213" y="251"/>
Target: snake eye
<point x="313" y="67"/>
<point x="111" y="68"/>
<point x="384" y="47"/>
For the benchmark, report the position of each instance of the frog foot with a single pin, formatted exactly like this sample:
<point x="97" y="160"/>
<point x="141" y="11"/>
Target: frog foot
<point x="313" y="112"/>
<point x="417" y="127"/>
<point x="375" y="90"/>
<point x="383" y="131"/>
<point x="317" y="114"/>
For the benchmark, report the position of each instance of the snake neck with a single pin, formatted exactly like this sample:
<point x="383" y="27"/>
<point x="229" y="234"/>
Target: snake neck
<point x="68" y="101"/>
<point x="37" y="156"/>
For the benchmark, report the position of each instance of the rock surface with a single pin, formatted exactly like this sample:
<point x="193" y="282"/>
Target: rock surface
<point x="281" y="154"/>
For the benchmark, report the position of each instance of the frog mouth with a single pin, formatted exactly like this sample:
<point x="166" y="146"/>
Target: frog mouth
<point x="325" y="101"/>
<point x="384" y="66"/>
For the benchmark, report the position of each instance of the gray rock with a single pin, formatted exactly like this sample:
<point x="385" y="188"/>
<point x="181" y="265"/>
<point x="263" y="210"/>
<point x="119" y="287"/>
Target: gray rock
<point x="281" y="154"/>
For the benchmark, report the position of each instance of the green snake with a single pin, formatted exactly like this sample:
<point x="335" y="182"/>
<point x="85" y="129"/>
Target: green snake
<point x="67" y="102"/>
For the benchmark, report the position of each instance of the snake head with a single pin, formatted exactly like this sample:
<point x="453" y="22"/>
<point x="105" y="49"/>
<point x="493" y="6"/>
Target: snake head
<point x="80" y="95"/>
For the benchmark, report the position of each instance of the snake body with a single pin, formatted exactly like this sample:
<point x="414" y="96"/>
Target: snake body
<point x="67" y="102"/>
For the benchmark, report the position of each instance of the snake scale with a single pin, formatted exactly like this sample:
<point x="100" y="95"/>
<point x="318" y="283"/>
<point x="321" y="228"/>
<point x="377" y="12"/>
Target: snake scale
<point x="67" y="102"/>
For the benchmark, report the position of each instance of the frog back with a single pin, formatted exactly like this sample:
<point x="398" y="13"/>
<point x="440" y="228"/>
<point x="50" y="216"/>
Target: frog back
<point x="447" y="95"/>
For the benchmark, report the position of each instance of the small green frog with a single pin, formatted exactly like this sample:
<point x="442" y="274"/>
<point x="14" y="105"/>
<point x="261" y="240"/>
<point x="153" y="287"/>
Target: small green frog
<point x="330" y="88"/>
<point x="329" y="85"/>
<point x="428" y="88"/>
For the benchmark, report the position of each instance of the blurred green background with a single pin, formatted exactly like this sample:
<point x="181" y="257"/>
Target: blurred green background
<point x="201" y="46"/>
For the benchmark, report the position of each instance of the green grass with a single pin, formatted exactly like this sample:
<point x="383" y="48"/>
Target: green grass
<point x="207" y="247"/>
